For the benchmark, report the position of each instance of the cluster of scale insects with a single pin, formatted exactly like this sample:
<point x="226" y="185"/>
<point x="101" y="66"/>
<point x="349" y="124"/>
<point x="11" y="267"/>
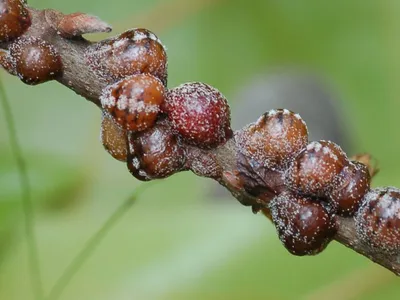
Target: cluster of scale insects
<point x="302" y="186"/>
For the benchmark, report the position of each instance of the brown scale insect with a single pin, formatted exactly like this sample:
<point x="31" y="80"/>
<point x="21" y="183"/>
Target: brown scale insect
<point x="275" y="139"/>
<point x="303" y="225"/>
<point x="353" y="184"/>
<point x="113" y="138"/>
<point x="199" y="113"/>
<point x="155" y="153"/>
<point x="35" y="61"/>
<point x="134" y="102"/>
<point x="14" y="19"/>
<point x="378" y="220"/>
<point x="314" y="170"/>
<point x="135" y="51"/>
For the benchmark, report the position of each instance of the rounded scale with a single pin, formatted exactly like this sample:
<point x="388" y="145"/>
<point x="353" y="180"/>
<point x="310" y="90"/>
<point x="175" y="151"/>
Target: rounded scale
<point x="134" y="102"/>
<point x="275" y="139"/>
<point x="304" y="226"/>
<point x="135" y="51"/>
<point x="199" y="113"/>
<point x="113" y="138"/>
<point x="353" y="183"/>
<point x="14" y="19"/>
<point x="378" y="220"/>
<point x="35" y="61"/>
<point x="314" y="170"/>
<point x="155" y="153"/>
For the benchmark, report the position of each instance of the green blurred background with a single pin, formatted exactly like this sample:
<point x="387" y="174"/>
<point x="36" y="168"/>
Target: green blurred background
<point x="178" y="242"/>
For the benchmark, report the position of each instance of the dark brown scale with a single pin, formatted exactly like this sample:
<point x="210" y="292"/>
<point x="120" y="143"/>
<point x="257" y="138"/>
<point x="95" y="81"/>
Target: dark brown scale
<point x="114" y="139"/>
<point x="155" y="153"/>
<point x="378" y="220"/>
<point x="316" y="168"/>
<point x="274" y="140"/>
<point x="353" y="184"/>
<point x="35" y="61"/>
<point x="134" y="102"/>
<point x="14" y="19"/>
<point x="304" y="226"/>
<point x="200" y="114"/>
<point x="135" y="51"/>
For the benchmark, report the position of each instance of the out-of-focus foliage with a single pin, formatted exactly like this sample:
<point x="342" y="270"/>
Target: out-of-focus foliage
<point x="175" y="243"/>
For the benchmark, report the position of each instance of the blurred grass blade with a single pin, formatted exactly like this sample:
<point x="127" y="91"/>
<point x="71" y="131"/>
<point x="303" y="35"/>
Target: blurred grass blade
<point x="92" y="244"/>
<point x="27" y="205"/>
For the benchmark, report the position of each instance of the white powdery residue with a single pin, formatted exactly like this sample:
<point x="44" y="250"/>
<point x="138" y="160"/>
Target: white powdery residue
<point x="326" y="150"/>
<point x="131" y="146"/>
<point x="329" y="151"/>
<point x="123" y="102"/>
<point x="106" y="99"/>
<point x="316" y="146"/>
<point x="119" y="43"/>
<point x="389" y="207"/>
<point x="272" y="112"/>
<point x="146" y="108"/>
<point x="138" y="36"/>
<point x="152" y="108"/>
<point x="153" y="37"/>
<point x="333" y="156"/>
<point x="143" y="174"/>
<point x="136" y="163"/>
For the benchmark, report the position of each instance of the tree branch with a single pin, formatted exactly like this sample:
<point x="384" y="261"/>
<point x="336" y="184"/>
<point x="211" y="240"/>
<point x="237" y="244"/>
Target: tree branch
<point x="78" y="77"/>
